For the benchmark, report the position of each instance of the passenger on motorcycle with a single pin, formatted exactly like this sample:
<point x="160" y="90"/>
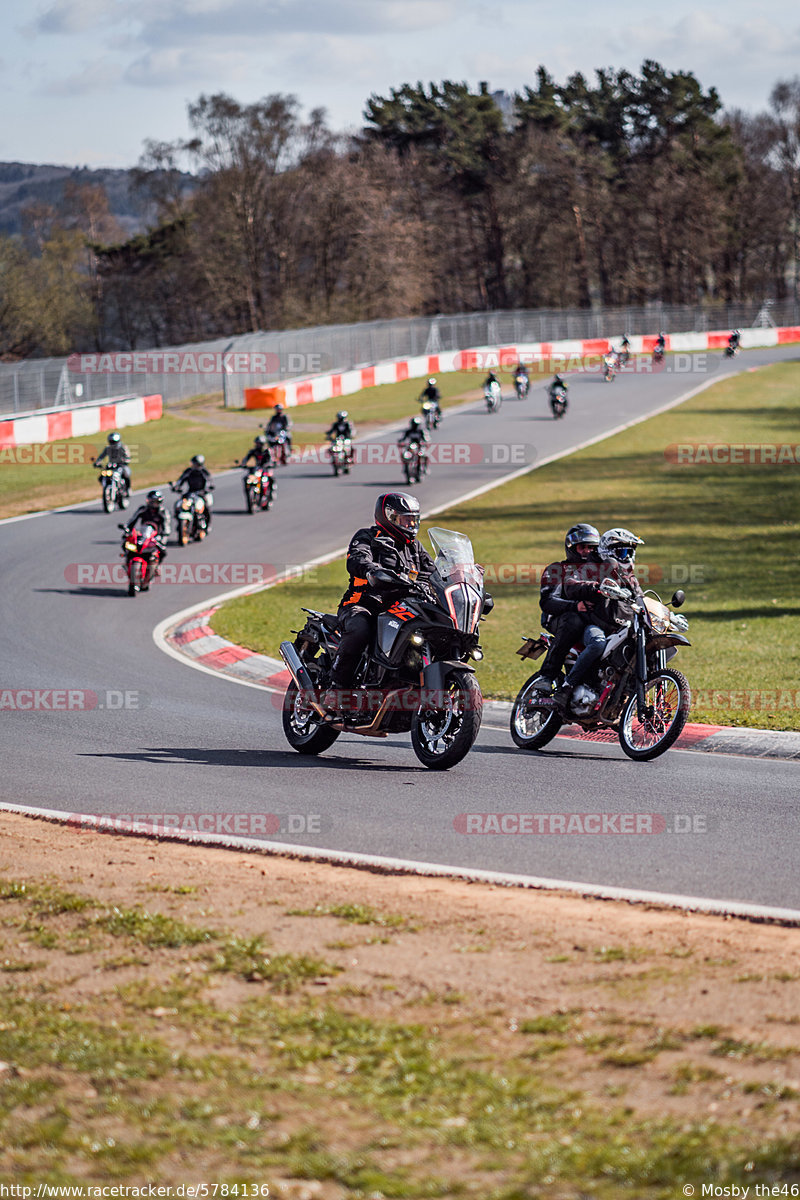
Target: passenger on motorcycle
<point x="431" y="394"/>
<point x="562" y="617"/>
<point x="153" y="512"/>
<point x="279" y="423"/>
<point x="118" y="455"/>
<point x="603" y="615"/>
<point x="197" y="478"/>
<point x="375" y="558"/>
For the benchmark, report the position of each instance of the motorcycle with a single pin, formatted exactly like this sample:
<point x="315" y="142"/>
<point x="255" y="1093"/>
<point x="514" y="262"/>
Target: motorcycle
<point x="432" y="414"/>
<point x="631" y="690"/>
<point x="521" y="384"/>
<point x="259" y="489"/>
<point x="142" y="555"/>
<point x="341" y="455"/>
<point x="609" y="370"/>
<point x="192" y="517"/>
<point x="732" y="348"/>
<point x="493" y="396"/>
<point x="415" y="461"/>
<point x="558" y="401"/>
<point x="658" y="353"/>
<point x="414" y="676"/>
<point x="279" y="445"/>
<point x="115" y="491"/>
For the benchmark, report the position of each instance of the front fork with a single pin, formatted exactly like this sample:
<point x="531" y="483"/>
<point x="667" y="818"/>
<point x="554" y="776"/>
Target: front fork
<point x="659" y="662"/>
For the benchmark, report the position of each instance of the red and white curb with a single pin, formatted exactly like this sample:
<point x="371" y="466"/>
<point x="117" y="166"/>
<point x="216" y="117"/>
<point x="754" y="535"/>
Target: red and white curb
<point x="195" y="640"/>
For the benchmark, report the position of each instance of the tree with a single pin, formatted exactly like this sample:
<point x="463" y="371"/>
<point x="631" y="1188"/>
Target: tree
<point x="785" y="104"/>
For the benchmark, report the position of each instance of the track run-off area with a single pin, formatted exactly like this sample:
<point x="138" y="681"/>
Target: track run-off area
<point x="128" y="730"/>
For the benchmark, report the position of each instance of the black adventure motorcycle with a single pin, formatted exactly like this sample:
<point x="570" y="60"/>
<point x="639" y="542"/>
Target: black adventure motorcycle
<point x="631" y="690"/>
<point x="414" y="676"/>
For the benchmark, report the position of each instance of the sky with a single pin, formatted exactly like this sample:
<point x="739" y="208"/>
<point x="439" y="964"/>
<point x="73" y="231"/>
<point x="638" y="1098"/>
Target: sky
<point x="87" y="82"/>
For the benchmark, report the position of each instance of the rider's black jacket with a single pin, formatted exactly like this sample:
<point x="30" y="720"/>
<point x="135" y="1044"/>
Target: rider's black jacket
<point x="153" y="516"/>
<point x="371" y="550"/>
<point x="432" y="393"/>
<point x="118" y="455"/>
<point x="582" y="582"/>
<point x="340" y="429"/>
<point x="279" y="423"/>
<point x="196" y="479"/>
<point x="414" y="433"/>
<point x="262" y="458"/>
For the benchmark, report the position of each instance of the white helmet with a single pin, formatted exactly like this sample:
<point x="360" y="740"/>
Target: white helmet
<point x="619" y="545"/>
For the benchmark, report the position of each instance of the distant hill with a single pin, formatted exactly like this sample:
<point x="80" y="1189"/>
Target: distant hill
<point x="22" y="184"/>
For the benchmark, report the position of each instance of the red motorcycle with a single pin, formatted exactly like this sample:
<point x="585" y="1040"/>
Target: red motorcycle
<point x="142" y="554"/>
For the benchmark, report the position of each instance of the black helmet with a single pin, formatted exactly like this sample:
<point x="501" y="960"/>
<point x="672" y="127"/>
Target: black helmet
<point x="579" y="536"/>
<point x="199" y="460"/>
<point x="154" y="498"/>
<point x="397" y="513"/>
<point x="341" y="416"/>
<point x="416" y="422"/>
<point x="261" y="441"/>
<point x="278" y="408"/>
<point x="114" y="439"/>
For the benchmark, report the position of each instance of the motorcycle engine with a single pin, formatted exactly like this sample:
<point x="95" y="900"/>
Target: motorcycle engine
<point x="583" y="700"/>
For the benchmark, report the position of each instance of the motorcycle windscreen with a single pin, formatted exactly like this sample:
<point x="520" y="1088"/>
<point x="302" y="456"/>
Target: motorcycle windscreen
<point x="461" y="577"/>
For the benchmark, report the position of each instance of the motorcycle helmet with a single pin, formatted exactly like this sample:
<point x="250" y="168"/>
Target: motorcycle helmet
<point x="432" y="382"/>
<point x="397" y="513"/>
<point x="199" y="460"/>
<point x="580" y="542"/>
<point x="619" y="545"/>
<point x="113" y="439"/>
<point x="416" y="422"/>
<point x="341" y="416"/>
<point x="278" y="408"/>
<point x="154" y="499"/>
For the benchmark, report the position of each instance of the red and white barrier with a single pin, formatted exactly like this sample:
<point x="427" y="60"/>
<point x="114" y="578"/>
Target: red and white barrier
<point x="55" y="424"/>
<point x="293" y="392"/>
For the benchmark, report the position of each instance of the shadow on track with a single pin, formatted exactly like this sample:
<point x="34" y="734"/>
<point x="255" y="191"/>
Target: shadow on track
<point x="227" y="757"/>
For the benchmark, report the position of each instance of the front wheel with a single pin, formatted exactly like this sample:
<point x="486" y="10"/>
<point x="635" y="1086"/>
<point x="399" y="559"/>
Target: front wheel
<point x="249" y="496"/>
<point x="668" y="699"/>
<point x="109" y="497"/>
<point x="183" y="533"/>
<point x="305" y="730"/>
<point x="442" y="736"/>
<point x="532" y="727"/>
<point x="135" y="579"/>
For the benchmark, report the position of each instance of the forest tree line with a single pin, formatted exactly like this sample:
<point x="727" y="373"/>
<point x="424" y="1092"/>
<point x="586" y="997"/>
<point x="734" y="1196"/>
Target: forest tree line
<point x="627" y="190"/>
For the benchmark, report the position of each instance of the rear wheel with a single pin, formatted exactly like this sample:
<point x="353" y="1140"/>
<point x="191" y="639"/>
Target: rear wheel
<point x="668" y="699"/>
<point x="532" y="727"/>
<point x="441" y="737"/>
<point x="305" y="730"/>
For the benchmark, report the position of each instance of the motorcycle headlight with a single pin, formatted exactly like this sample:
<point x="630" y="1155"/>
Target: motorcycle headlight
<point x="185" y="505"/>
<point x="130" y="545"/>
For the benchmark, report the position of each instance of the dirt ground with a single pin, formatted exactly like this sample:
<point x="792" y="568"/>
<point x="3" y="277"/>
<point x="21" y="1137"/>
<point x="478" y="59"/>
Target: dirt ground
<point x="675" y="985"/>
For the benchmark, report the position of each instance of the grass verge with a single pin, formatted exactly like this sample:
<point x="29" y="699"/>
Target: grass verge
<point x="723" y="532"/>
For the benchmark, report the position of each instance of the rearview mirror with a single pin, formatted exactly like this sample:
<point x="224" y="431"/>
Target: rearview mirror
<point x="678" y="598"/>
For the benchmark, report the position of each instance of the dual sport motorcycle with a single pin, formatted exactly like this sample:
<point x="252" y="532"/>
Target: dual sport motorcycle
<point x="115" y="491"/>
<point x="279" y="445"/>
<point x="259" y="489"/>
<point x="415" y="461"/>
<point x="341" y="454"/>
<point x="415" y="674"/>
<point x="192" y="517"/>
<point x="631" y="690"/>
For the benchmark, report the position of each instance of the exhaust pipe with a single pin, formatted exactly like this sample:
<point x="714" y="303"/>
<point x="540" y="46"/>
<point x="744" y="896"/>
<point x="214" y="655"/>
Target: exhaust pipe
<point x="300" y="675"/>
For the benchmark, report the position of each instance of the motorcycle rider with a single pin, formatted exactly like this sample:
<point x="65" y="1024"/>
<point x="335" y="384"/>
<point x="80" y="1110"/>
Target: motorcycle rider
<point x="261" y="456"/>
<point x="375" y="557"/>
<point x="118" y="455"/>
<point x="604" y="615"/>
<point x="562" y="617"/>
<point x="197" y="478"/>
<point x="661" y="344"/>
<point x="152" y="512"/>
<point x="558" y="385"/>
<point x="341" y="427"/>
<point x="279" y="423"/>
<point x="430" y="394"/>
<point x="521" y="378"/>
<point x="733" y="341"/>
<point x="625" y="349"/>
<point x="416" y="432"/>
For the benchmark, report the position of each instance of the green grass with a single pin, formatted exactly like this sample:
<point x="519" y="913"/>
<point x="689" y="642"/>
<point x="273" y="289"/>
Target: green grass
<point x="731" y="527"/>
